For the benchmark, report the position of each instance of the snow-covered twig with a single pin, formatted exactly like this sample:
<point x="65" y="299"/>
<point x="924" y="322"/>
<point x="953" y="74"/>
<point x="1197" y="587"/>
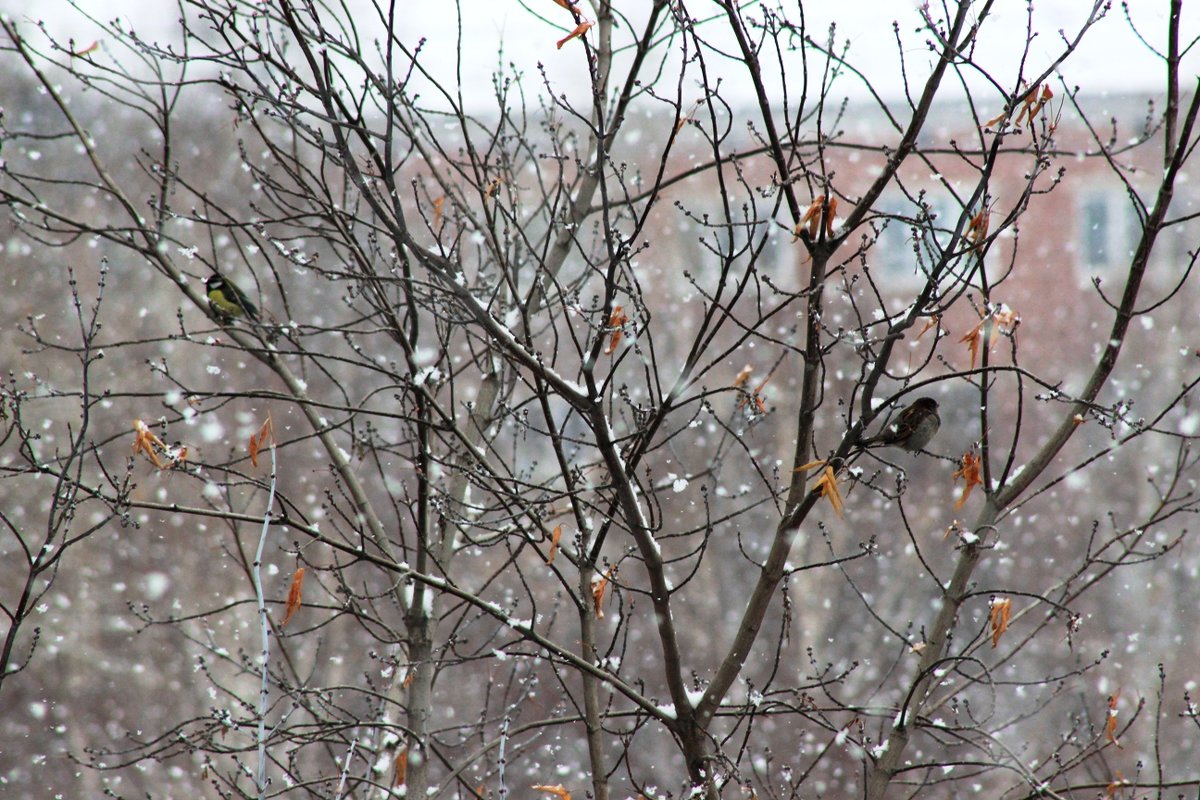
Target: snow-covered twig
<point x="345" y="769"/>
<point x="260" y="775"/>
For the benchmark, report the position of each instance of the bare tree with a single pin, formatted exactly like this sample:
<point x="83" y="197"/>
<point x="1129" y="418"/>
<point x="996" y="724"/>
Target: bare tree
<point x="558" y="447"/>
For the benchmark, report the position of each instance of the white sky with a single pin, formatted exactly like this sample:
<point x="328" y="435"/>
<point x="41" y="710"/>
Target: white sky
<point x="1110" y="60"/>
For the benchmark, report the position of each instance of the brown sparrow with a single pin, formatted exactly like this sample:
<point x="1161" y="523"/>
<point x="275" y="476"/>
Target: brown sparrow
<point x="912" y="429"/>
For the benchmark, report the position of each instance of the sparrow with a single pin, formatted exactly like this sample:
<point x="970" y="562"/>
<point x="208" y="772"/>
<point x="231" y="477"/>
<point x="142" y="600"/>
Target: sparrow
<point x="228" y="301"/>
<point x="911" y="430"/>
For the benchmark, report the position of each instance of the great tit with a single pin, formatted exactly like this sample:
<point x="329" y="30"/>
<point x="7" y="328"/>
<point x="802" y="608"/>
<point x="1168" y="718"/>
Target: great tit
<point x="228" y="301"/>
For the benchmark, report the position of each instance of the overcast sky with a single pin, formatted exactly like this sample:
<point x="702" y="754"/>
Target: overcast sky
<point x="1110" y="60"/>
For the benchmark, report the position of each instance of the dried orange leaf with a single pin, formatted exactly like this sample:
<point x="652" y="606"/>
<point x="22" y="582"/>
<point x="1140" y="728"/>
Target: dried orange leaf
<point x="1043" y="98"/>
<point x="557" y="790"/>
<point x="991" y="123"/>
<point x="743" y="376"/>
<point x="1110" y="724"/>
<point x="438" y="206"/>
<point x="1032" y="103"/>
<point x="972" y="340"/>
<point x="998" y="619"/>
<point x="142" y="433"/>
<point x="1021" y="114"/>
<point x="830" y="213"/>
<point x="598" y="588"/>
<point x="1007" y="319"/>
<point x="615" y="320"/>
<point x="971" y="474"/>
<point x="684" y="119"/>
<point x="554" y="537"/>
<point x="265" y="434"/>
<point x="1004" y="319"/>
<point x="613" y="342"/>
<point x="812" y="217"/>
<point x="763" y="384"/>
<point x="1110" y="730"/>
<point x="146" y="443"/>
<point x="977" y="229"/>
<point x="152" y="447"/>
<point x="934" y="321"/>
<point x="827" y="486"/>
<point x="1027" y="103"/>
<point x="400" y="765"/>
<point x="294" y="596"/>
<point x="756" y="395"/>
<point x="808" y="466"/>
<point x="580" y="30"/>
<point x="91" y="48"/>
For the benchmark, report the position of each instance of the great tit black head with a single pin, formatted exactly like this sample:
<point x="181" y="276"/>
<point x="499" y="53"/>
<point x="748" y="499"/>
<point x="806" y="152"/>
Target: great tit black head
<point x="227" y="300"/>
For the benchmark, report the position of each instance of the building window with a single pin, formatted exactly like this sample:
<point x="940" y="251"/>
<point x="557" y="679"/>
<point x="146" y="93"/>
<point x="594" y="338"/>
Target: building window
<point x="1109" y="230"/>
<point x="1096" y="231"/>
<point x="894" y="255"/>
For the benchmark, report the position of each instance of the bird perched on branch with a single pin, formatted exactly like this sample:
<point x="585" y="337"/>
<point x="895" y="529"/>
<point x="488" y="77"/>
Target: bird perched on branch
<point x="228" y="301"/>
<point x="912" y="429"/>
